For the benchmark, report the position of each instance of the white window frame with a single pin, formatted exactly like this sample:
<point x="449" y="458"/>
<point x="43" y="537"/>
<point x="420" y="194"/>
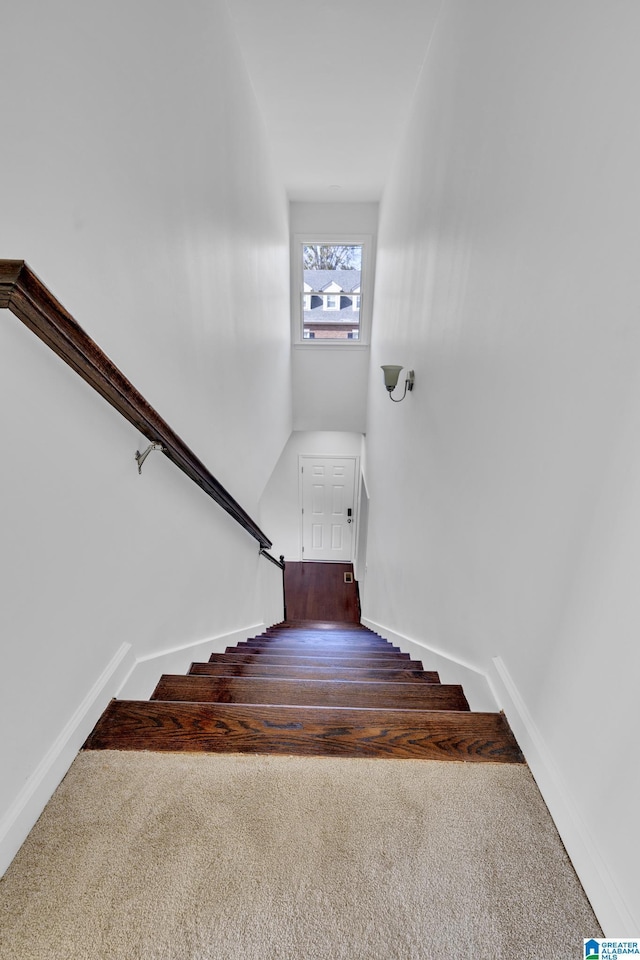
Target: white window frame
<point x="298" y="288"/>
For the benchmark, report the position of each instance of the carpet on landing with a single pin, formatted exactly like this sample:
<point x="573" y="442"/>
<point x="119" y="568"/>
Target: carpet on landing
<point x="149" y="856"/>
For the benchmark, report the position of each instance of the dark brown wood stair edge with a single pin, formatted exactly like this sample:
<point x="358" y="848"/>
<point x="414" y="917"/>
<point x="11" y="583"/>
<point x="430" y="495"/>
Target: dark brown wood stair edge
<point x="360" y="634"/>
<point x="329" y="640"/>
<point x="327" y="627"/>
<point x="340" y="661"/>
<point x="294" y="692"/>
<point x="307" y="643"/>
<point x="305" y="731"/>
<point x="326" y="652"/>
<point x="296" y="671"/>
<point x="27" y="297"/>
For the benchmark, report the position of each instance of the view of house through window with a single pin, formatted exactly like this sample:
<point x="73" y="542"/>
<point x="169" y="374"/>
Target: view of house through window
<point x="331" y="291"/>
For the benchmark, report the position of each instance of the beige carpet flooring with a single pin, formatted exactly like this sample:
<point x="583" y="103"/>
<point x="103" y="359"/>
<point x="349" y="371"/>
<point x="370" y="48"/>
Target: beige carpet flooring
<point x="194" y="857"/>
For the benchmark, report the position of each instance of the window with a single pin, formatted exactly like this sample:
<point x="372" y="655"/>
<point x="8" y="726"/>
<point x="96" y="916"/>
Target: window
<point x="329" y="277"/>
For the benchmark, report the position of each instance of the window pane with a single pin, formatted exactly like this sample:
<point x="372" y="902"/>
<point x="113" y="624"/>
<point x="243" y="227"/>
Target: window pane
<point x="332" y="281"/>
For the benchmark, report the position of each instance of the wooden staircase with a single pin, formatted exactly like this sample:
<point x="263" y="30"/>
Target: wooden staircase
<point x="311" y="689"/>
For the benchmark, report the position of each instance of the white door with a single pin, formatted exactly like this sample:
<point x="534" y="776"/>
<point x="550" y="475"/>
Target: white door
<point x="328" y="508"/>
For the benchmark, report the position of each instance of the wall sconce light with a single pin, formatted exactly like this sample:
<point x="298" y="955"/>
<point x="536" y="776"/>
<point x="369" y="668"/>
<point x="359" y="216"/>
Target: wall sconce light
<point x="391" y="374"/>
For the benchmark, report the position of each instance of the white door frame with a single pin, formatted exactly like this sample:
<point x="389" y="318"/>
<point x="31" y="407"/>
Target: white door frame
<point x="356" y="497"/>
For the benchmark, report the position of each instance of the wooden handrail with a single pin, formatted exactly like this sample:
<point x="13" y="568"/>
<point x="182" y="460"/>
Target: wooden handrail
<point x="28" y="298"/>
<point x="269" y="556"/>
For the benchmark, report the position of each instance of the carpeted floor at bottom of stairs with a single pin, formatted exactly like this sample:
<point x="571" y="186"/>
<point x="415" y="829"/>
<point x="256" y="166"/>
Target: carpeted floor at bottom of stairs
<point x="145" y="856"/>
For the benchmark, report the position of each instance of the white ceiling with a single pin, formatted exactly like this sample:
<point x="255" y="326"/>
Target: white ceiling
<point x="334" y="80"/>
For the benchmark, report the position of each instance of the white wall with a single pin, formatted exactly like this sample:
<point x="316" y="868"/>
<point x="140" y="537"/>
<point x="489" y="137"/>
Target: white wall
<point x="139" y="186"/>
<point x="330" y="382"/>
<point x="505" y="508"/>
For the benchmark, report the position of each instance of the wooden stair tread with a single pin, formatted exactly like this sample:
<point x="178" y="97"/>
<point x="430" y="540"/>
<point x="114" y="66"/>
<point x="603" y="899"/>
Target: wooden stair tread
<point x="265" y="657"/>
<point x="327" y="635"/>
<point x="338" y="693"/>
<point x="308" y="731"/>
<point x="325" y="626"/>
<point x="337" y="651"/>
<point x="344" y="629"/>
<point x="260" y="669"/>
<point x="309" y="646"/>
<point x="323" y="636"/>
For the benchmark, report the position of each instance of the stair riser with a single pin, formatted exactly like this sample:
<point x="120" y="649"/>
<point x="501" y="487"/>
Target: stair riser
<point x="318" y="636"/>
<point x="289" y="650"/>
<point x="311" y="645"/>
<point x="313" y="673"/>
<point x="331" y="693"/>
<point x="318" y="661"/>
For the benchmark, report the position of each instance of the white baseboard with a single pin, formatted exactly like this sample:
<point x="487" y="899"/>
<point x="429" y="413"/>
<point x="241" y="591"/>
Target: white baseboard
<point x="124" y="677"/>
<point x="34" y="796"/>
<point x="612" y="911"/>
<point x="452" y="670"/>
<point x="146" y="671"/>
